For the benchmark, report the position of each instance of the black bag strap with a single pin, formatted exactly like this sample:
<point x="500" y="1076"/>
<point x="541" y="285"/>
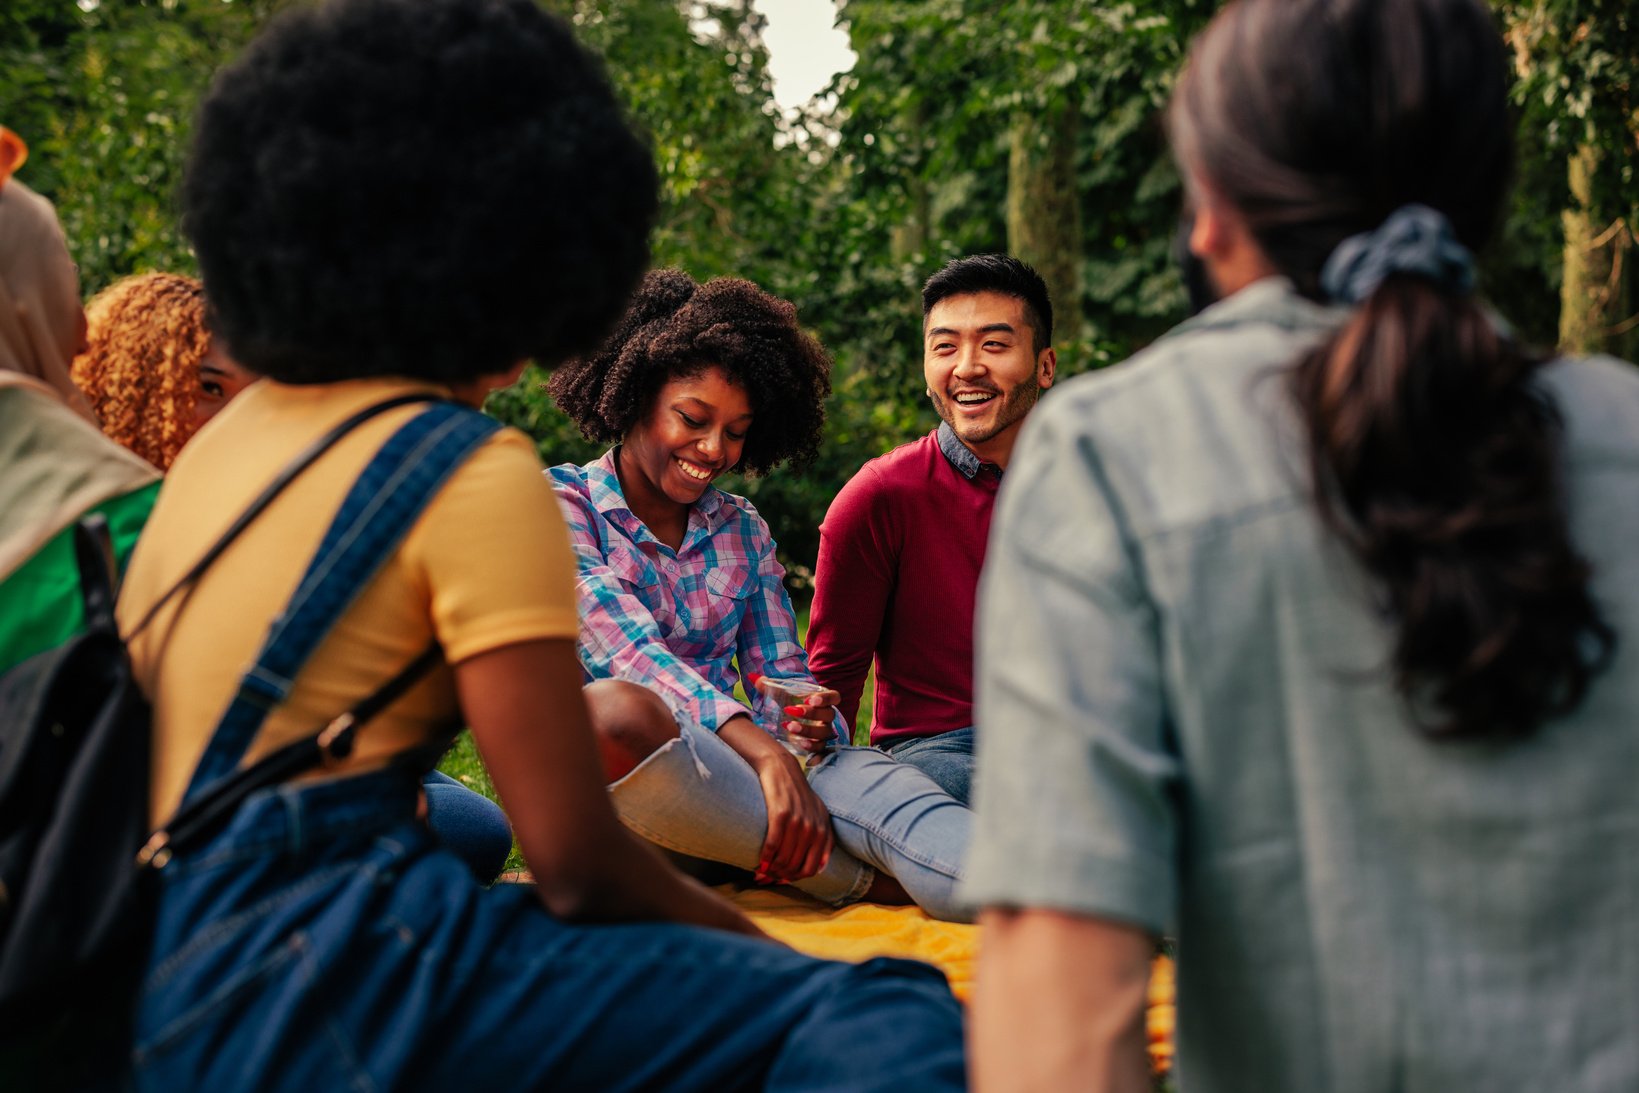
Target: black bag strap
<point x="99" y="571"/>
<point x="274" y="488"/>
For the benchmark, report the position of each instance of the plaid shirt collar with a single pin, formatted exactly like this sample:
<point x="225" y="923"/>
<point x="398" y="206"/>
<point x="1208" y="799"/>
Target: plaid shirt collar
<point x="603" y="485"/>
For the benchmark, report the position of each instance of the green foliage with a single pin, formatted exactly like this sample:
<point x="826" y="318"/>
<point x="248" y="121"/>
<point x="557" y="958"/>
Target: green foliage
<point x="977" y="66"/>
<point x="105" y="99"/>
<point x="1577" y="63"/>
<point x="843" y="211"/>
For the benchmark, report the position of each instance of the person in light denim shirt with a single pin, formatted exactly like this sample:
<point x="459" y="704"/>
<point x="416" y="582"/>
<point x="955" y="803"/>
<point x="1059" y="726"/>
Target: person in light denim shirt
<point x="1307" y="635"/>
<point x="681" y="596"/>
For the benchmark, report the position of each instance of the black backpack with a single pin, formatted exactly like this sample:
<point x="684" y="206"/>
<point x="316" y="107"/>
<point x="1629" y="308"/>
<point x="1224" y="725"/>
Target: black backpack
<point x="73" y="812"/>
<point x="78" y="862"/>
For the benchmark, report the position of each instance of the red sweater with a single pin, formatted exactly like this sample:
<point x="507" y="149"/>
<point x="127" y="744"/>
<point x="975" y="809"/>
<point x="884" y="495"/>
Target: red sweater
<point x="898" y="571"/>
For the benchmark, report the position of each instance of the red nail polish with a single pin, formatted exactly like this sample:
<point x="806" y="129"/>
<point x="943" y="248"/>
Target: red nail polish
<point x="796" y="711"/>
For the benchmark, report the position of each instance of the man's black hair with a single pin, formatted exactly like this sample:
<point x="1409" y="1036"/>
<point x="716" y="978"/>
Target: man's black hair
<point x="432" y="188"/>
<point x="1000" y="273"/>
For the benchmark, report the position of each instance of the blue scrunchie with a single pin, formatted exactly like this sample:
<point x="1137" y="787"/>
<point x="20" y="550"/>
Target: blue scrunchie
<point x="1415" y="240"/>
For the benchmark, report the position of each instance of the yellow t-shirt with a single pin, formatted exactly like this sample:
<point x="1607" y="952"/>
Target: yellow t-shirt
<point x="488" y="564"/>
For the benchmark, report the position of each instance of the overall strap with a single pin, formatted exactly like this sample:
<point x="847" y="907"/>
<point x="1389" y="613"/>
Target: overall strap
<point x="378" y="512"/>
<point x="304" y="460"/>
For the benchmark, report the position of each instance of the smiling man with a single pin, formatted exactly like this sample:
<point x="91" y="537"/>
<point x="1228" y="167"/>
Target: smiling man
<point x="903" y="543"/>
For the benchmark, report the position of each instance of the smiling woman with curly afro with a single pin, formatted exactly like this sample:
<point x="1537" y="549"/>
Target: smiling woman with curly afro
<point x="676" y="328"/>
<point x="150" y="367"/>
<point x="682" y="599"/>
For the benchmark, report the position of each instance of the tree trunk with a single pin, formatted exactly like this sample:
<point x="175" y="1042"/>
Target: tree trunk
<point x="1044" y="211"/>
<point x="1596" y="295"/>
<point x="908" y="239"/>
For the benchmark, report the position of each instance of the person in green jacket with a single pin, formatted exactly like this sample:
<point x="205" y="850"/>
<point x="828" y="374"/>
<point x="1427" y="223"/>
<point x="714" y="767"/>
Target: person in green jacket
<point x="55" y="464"/>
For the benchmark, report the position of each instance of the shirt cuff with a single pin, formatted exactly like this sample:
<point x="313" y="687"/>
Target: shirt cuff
<point x="1014" y="873"/>
<point x="713" y="711"/>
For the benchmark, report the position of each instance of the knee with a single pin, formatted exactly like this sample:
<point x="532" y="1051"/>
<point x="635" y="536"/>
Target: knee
<point x="470" y="825"/>
<point x="630" y="721"/>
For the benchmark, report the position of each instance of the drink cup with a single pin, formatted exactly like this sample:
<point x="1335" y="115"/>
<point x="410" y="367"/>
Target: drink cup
<point x="786" y="692"/>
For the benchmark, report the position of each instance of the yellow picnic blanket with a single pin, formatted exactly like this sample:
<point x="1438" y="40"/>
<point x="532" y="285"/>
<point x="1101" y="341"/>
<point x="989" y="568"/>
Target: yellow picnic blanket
<point x="860" y="931"/>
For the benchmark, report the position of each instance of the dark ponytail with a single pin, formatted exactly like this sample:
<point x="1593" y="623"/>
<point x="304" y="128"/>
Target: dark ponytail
<point x="1436" y="461"/>
<point x="1434" y="454"/>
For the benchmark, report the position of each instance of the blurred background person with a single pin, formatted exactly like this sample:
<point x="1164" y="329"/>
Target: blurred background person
<point x="151" y="369"/>
<point x="55" y="467"/>
<point x="1308" y="633"/>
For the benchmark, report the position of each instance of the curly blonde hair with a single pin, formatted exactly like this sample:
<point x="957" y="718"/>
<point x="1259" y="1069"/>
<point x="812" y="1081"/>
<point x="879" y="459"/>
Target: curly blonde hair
<point x="146" y="336"/>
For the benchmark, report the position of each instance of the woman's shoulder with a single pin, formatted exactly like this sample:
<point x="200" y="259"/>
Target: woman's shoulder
<point x="569" y="478"/>
<point x="1197" y="427"/>
<point x="587" y="480"/>
<point x="1598" y="399"/>
<point x="586" y="492"/>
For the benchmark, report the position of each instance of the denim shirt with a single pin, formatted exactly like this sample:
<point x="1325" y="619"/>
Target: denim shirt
<point x="961" y="456"/>
<point x="686" y="623"/>
<point x="1187" y="724"/>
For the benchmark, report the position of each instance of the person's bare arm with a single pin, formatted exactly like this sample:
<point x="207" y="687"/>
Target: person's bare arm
<point x="523" y="703"/>
<point x="1059" y="1004"/>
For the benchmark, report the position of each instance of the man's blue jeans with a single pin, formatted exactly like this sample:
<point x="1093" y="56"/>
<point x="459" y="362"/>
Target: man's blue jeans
<point x="325" y="941"/>
<point x="946" y="758"/>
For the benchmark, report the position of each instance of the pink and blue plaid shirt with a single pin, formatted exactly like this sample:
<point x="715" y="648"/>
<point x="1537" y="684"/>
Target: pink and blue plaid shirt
<point x="678" y="621"/>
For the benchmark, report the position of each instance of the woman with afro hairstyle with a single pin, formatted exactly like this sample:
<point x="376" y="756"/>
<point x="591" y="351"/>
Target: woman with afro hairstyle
<point x="404" y="197"/>
<point x="681" y="598"/>
<point x="150" y="367"/>
<point x="155" y="375"/>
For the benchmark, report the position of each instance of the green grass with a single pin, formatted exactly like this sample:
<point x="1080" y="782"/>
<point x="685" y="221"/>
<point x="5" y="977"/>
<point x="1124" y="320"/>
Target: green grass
<point x="463" y="763"/>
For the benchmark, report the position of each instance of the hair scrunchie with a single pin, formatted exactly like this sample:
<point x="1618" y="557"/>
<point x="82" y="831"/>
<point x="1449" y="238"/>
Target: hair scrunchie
<point x="1414" y="240"/>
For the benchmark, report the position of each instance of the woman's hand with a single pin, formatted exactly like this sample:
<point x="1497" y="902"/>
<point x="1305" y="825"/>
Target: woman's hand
<point x="799" y="839"/>
<point x="811" y="722"/>
<point x="808" y="711"/>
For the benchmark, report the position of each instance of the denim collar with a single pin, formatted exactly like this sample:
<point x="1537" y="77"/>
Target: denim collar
<point x="960" y="455"/>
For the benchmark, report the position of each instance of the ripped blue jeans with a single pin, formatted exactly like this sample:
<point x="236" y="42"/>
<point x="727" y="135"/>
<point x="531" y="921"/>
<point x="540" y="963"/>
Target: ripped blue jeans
<point x="326" y="941"/>
<point x="696" y="796"/>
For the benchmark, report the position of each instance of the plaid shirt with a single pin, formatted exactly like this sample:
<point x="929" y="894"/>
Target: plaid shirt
<point x="677" y="621"/>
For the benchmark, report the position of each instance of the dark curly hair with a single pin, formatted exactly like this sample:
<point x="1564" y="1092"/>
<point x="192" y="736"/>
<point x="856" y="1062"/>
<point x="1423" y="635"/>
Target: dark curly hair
<point x="435" y="188"/>
<point x="677" y="327"/>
